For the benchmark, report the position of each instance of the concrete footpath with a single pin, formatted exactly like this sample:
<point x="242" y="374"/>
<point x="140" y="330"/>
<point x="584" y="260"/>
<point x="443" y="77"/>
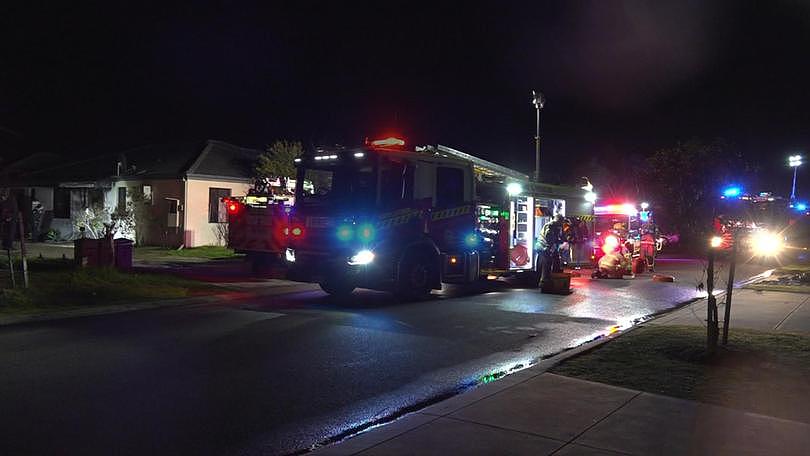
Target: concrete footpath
<point x="538" y="413"/>
<point x="761" y="310"/>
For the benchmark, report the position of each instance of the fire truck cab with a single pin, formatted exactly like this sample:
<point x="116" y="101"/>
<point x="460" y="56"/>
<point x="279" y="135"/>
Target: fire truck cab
<point x="386" y="218"/>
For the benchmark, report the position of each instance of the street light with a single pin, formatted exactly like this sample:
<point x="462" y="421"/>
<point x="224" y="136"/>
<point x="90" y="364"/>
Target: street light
<point x="794" y="161"/>
<point x="590" y="195"/>
<point x="538" y="100"/>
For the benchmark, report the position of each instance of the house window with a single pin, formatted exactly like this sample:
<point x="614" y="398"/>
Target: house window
<point x="147" y="194"/>
<point x="122" y="199"/>
<point x="449" y="186"/>
<point x="216" y="208"/>
<point x="61" y="203"/>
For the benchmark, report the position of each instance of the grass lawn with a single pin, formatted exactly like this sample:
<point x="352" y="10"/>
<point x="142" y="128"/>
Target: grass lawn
<point x="192" y="254"/>
<point x="58" y="285"/>
<point x="760" y="372"/>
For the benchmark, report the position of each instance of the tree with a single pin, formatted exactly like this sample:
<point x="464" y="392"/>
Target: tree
<point x="277" y="160"/>
<point x="685" y="182"/>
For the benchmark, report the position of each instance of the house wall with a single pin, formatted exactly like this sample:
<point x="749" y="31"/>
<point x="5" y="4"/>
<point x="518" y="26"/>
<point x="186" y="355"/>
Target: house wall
<point x="44" y="195"/>
<point x="153" y="224"/>
<point x="42" y="222"/>
<point x="65" y="225"/>
<point x="198" y="231"/>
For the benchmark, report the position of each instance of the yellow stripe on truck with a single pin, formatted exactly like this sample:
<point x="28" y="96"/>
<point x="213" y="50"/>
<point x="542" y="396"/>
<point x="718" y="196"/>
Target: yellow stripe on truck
<point x="449" y="213"/>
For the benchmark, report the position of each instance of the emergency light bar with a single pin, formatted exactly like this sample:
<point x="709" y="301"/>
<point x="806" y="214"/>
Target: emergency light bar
<point x="388" y="142"/>
<point x="624" y="209"/>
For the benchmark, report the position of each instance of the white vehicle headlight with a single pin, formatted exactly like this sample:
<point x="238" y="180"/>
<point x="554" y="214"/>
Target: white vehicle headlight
<point x="289" y="254"/>
<point x="361" y="258"/>
<point x="766" y="243"/>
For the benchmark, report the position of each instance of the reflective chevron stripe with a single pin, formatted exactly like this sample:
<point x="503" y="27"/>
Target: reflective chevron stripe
<point x="448" y="213"/>
<point x="398" y="217"/>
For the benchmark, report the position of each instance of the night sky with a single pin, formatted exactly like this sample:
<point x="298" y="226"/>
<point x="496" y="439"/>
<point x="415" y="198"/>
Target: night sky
<point x="621" y="78"/>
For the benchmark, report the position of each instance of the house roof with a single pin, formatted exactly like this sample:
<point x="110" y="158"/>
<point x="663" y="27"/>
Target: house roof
<point x="220" y="159"/>
<point x="209" y="159"/>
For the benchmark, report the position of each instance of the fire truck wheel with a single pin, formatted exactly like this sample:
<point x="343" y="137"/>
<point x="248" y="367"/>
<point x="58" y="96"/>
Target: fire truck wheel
<point x="337" y="288"/>
<point x="260" y="264"/>
<point x="415" y="278"/>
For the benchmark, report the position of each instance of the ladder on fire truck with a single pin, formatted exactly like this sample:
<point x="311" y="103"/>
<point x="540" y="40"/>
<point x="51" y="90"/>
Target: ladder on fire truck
<point x="482" y="167"/>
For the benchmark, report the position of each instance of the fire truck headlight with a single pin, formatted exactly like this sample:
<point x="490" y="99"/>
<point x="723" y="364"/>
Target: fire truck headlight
<point x="716" y="241"/>
<point x="766" y="244"/>
<point x="361" y="258"/>
<point x="289" y="255"/>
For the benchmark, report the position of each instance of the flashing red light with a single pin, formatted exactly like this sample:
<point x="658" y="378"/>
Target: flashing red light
<point x="231" y="205"/>
<point x="388" y="142"/>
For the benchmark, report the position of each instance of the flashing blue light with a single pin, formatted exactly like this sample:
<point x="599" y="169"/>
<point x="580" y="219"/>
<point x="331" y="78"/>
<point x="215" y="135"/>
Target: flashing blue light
<point x="644" y="216"/>
<point x="345" y="233"/>
<point x="366" y="232"/>
<point x="471" y="240"/>
<point x="801" y="206"/>
<point x="732" y="192"/>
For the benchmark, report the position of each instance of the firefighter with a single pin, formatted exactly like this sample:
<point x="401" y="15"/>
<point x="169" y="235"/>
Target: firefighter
<point x="549" y="243"/>
<point x="648" y="248"/>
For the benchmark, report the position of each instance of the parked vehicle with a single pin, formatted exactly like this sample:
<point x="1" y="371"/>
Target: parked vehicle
<point x="257" y="223"/>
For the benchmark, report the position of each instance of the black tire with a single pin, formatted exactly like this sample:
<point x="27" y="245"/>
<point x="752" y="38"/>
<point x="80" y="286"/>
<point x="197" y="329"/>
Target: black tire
<point x="416" y="275"/>
<point x="337" y="288"/>
<point x="260" y="264"/>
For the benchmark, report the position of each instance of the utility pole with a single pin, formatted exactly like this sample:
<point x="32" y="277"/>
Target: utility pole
<point x="730" y="286"/>
<point x="22" y="250"/>
<point x="712" y="329"/>
<point x="538" y="100"/>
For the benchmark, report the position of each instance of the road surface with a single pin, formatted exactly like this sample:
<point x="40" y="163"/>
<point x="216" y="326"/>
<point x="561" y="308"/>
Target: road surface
<point x="279" y="374"/>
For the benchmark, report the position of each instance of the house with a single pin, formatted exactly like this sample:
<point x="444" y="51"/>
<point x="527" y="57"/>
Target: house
<point x="175" y="191"/>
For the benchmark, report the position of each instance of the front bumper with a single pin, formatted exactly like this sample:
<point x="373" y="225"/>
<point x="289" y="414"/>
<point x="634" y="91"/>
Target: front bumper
<point x="317" y="267"/>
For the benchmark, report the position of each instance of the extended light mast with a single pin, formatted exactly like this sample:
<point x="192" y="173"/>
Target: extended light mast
<point x="538" y="100"/>
<point x="794" y="161"/>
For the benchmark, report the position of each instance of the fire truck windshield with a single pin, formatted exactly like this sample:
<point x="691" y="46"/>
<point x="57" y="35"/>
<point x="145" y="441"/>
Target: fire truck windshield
<point x="337" y="185"/>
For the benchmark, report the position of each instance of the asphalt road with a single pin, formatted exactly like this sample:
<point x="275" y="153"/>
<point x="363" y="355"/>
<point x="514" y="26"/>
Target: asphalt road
<point x="279" y="374"/>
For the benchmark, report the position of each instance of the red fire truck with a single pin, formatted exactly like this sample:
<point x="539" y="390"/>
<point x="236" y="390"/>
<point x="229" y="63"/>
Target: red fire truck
<point x="623" y="229"/>
<point x="257" y="222"/>
<point x="387" y="218"/>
